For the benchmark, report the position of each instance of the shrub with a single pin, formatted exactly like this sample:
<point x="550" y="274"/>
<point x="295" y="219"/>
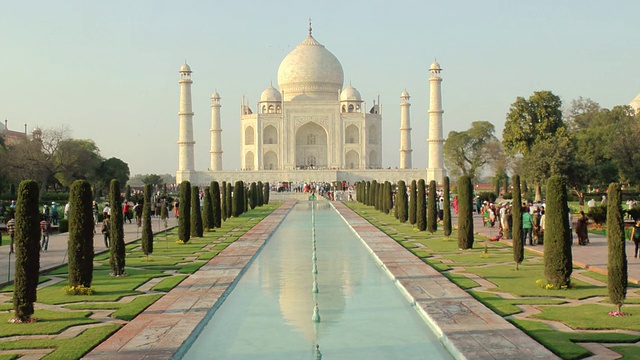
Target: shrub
<point x="253" y="195"/>
<point x="421" y="207"/>
<point x="598" y="214"/>
<point x="207" y="210"/>
<point x="215" y="202"/>
<point x="488" y="196"/>
<point x="617" y="257"/>
<point x="27" y="248"/>
<point x="432" y="210"/>
<point x="557" y="236"/>
<point x="237" y="208"/>
<point x="147" y="231"/>
<point x="81" y="229"/>
<point x="465" y="213"/>
<point x="196" y="214"/>
<point x="413" y="206"/>
<point x="117" y="250"/>
<point x="266" y="190"/>
<point x="184" y="221"/>
<point x="634" y="213"/>
<point x="63" y="225"/>
<point x="229" y="200"/>
<point x="446" y="218"/>
<point x="516" y="223"/>
<point x="260" y="193"/>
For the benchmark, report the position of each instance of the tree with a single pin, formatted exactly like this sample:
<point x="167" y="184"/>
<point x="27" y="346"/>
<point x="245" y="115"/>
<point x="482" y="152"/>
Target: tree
<point x="81" y="229"/>
<point x="617" y="257"/>
<point x="245" y="208"/>
<point x="432" y="210"/>
<point x="112" y="168"/>
<point x="147" y="230"/>
<point x="386" y="197"/>
<point x="465" y="213"/>
<point x="75" y="159"/>
<point x="421" y="208"/>
<point x="27" y="248"/>
<point x="466" y="152"/>
<point x="557" y="235"/>
<point x="127" y="193"/>
<point x="413" y="205"/>
<point x="215" y="201"/>
<point x="260" y="193"/>
<point x="117" y="251"/>
<point x="207" y="210"/>
<point x="446" y="218"/>
<point x="229" y="200"/>
<point x="267" y="189"/>
<point x="223" y="201"/>
<point x="184" y="221"/>
<point x="196" y="213"/>
<point x="253" y="195"/>
<point x="401" y="202"/>
<point x="373" y="198"/>
<point x="237" y="208"/>
<point x="516" y="222"/>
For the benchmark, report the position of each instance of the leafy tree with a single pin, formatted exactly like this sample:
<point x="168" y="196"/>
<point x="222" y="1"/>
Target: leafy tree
<point x="112" y="168"/>
<point x="223" y="201"/>
<point x="465" y="213"/>
<point x="229" y="200"/>
<point x="207" y="210"/>
<point x="117" y="250"/>
<point x="238" y="199"/>
<point x="27" y="248"/>
<point x="617" y="257"/>
<point x="446" y="218"/>
<point x="466" y="152"/>
<point x="432" y="210"/>
<point x="81" y="229"/>
<point x="184" y="221"/>
<point x="153" y="179"/>
<point x="196" y="214"/>
<point x="402" y="202"/>
<point x="421" y="208"/>
<point x="413" y="202"/>
<point x="147" y="230"/>
<point x="253" y="195"/>
<point x="516" y="223"/>
<point x="215" y="201"/>
<point x="76" y="159"/>
<point x="557" y="236"/>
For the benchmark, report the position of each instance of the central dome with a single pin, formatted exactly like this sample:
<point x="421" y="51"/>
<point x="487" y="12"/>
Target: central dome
<point x="312" y="70"/>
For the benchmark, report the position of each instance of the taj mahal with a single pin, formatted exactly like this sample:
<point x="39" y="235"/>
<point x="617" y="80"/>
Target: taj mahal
<point x="310" y="128"/>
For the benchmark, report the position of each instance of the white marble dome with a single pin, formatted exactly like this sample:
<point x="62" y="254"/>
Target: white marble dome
<point x="350" y="94"/>
<point x="185" y="68"/>
<point x="405" y="94"/>
<point x="215" y="95"/>
<point x="310" y="69"/>
<point x="435" y="66"/>
<point x="271" y="94"/>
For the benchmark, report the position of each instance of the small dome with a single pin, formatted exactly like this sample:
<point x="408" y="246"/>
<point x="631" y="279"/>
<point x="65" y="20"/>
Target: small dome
<point x="405" y="94"/>
<point x="271" y="94"/>
<point x="215" y="95"/>
<point x="185" y="68"/>
<point x="435" y="66"/>
<point x="350" y="94"/>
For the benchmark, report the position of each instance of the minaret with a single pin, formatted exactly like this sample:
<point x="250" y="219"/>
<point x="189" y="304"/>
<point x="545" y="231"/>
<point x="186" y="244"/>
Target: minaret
<point x="405" y="131"/>
<point x="185" y="138"/>
<point x="216" y="133"/>
<point x="435" y="167"/>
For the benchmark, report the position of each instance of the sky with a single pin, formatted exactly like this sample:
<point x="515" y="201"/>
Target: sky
<point x="108" y="70"/>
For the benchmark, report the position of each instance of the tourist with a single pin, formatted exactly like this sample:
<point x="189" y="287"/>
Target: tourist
<point x="527" y="226"/>
<point x="106" y="230"/>
<point x="536" y="227"/>
<point x="13" y="205"/>
<point x="54" y="213"/>
<point x="635" y="237"/>
<point x="11" y="229"/>
<point x="125" y="211"/>
<point x="542" y="226"/>
<point x="45" y="211"/>
<point x="45" y="230"/>
<point x="581" y="229"/>
<point x="106" y="211"/>
<point x="137" y="209"/>
<point x="67" y="209"/>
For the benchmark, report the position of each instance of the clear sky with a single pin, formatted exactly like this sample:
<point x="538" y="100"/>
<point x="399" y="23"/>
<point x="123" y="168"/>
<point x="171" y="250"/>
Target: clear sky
<point x="109" y="69"/>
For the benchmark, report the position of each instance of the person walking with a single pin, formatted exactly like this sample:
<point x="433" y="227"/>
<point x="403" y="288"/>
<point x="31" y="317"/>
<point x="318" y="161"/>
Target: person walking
<point x="527" y="226"/>
<point x="45" y="230"/>
<point x="106" y="230"/>
<point x="11" y="229"/>
<point x="635" y="237"/>
<point x="54" y="213"/>
<point x="581" y="229"/>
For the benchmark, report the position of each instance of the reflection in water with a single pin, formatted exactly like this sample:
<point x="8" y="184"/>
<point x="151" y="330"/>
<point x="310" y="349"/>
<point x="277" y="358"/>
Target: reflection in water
<point x="269" y="315"/>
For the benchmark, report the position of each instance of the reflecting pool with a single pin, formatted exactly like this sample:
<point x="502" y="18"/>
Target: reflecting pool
<point x="268" y="315"/>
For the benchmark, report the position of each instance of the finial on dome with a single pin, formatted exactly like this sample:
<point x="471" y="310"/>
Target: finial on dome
<point x="310" y="27"/>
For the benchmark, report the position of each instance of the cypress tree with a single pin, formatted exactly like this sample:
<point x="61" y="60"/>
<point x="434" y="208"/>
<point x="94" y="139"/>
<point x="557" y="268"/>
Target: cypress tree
<point x="365" y="194"/>
<point x="238" y="199"/>
<point x="446" y="218"/>
<point x="413" y="199"/>
<point x="384" y="201"/>
<point x="127" y="192"/>
<point x="265" y="195"/>
<point x="147" y="230"/>
<point x="253" y="198"/>
<point x="81" y="228"/>
<point x="432" y="210"/>
<point x="465" y="213"/>
<point x="617" y="257"/>
<point x="116" y="247"/>
<point x="215" y="202"/>
<point x="401" y="202"/>
<point x="27" y="249"/>
<point x="557" y="235"/>
<point x="164" y="212"/>
<point x="373" y="197"/>
<point x="260" y="195"/>
<point x="388" y="196"/>
<point x="184" y="222"/>
<point x="196" y="214"/>
<point x="207" y="210"/>
<point x="223" y="201"/>
<point x="421" y="207"/>
<point x="516" y="223"/>
<point x="229" y="200"/>
<point x="380" y="197"/>
<point x="245" y="208"/>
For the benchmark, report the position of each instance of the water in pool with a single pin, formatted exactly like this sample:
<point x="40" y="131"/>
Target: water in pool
<point x="268" y="315"/>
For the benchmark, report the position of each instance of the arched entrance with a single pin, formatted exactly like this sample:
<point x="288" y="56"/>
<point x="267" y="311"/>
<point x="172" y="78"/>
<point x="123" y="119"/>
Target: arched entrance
<point x="270" y="161"/>
<point x="352" y="160"/>
<point x="311" y="146"/>
<point x="248" y="161"/>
